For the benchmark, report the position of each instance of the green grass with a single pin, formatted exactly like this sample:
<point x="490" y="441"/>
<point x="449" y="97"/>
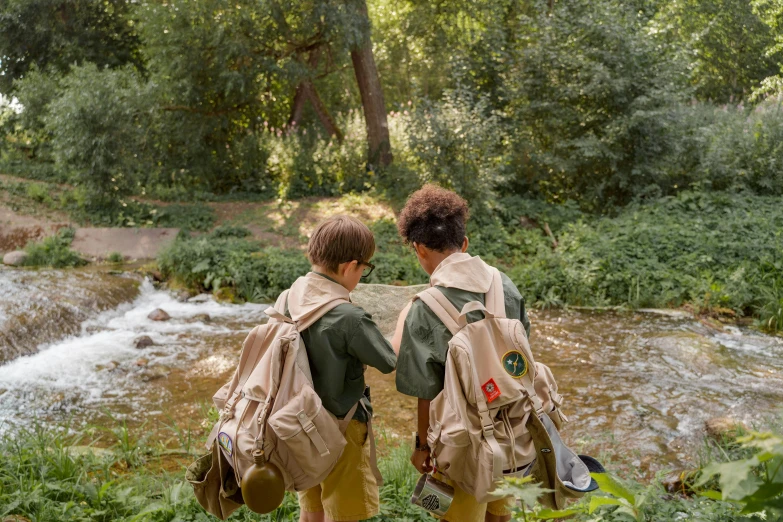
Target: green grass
<point x="85" y="210"/>
<point x="714" y="252"/>
<point x="51" y="474"/>
<point x="43" y="479"/>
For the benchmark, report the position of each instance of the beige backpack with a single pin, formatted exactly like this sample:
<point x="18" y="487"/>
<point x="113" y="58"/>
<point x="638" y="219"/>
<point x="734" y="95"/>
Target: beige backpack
<point x="270" y="404"/>
<point x="499" y="412"/>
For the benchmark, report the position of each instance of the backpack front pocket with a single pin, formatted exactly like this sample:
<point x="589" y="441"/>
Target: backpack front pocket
<point x="309" y="432"/>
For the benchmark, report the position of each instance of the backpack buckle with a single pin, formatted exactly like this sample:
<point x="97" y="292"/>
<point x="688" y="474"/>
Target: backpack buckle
<point x="488" y="429"/>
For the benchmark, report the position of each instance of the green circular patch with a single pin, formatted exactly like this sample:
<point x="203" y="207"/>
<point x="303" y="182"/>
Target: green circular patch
<point x="515" y="364"/>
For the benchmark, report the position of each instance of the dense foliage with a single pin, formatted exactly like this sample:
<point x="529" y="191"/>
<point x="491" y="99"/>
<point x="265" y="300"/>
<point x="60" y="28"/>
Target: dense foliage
<point x="603" y="103"/>
<point x="716" y="252"/>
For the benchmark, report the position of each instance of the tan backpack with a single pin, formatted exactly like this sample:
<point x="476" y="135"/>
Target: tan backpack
<point x="270" y="404"/>
<point x="499" y="412"/>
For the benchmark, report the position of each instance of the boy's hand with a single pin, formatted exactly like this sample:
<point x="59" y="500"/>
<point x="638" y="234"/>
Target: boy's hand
<point x="421" y="461"/>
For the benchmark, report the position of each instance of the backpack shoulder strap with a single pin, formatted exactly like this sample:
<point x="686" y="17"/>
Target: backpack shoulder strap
<point x="442" y="307"/>
<point x="277" y="312"/>
<point x="495" y="299"/>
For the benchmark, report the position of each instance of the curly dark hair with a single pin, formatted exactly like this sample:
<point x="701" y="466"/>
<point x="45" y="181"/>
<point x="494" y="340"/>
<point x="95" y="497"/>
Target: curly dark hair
<point x="434" y="217"/>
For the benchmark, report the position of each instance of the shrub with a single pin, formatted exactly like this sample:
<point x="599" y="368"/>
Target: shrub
<point x="217" y="260"/>
<point x="191" y="217"/>
<point x="713" y="250"/>
<point x="54" y="251"/>
<point x="97" y="124"/>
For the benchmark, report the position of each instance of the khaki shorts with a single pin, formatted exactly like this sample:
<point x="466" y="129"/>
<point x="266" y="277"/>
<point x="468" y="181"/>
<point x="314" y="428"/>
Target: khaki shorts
<point x="350" y="492"/>
<point x="465" y="508"/>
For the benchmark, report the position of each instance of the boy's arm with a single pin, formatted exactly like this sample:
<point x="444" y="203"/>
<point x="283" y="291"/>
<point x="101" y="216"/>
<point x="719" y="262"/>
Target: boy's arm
<point x="421" y="459"/>
<point x="368" y="344"/>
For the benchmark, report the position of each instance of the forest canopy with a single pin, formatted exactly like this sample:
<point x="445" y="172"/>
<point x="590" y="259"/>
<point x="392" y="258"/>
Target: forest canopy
<point x="603" y="103"/>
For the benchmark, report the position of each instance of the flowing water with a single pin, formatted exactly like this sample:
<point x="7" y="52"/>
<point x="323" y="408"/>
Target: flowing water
<point x="638" y="386"/>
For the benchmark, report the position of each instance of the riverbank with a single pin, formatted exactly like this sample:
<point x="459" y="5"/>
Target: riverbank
<point x="715" y="255"/>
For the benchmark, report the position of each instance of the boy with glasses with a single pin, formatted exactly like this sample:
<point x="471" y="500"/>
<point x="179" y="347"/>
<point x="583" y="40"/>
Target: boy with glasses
<point x="339" y="345"/>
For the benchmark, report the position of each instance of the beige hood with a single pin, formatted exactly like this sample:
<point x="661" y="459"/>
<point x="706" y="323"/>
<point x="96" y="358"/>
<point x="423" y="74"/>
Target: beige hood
<point x="463" y="271"/>
<point x="311" y="293"/>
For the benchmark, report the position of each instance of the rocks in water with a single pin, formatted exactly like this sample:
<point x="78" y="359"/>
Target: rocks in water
<point x="145" y="341"/>
<point x="183" y="296"/>
<point x="16" y="258"/>
<point x="200" y="318"/>
<point x="724" y="428"/>
<point x="200" y="298"/>
<point x="111" y="366"/>
<point x="142" y="362"/>
<point x="154" y="373"/>
<point x="159" y="315"/>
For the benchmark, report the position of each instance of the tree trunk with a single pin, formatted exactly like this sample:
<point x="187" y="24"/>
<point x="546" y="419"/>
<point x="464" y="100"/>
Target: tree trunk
<point x="379" y="153"/>
<point x="306" y="91"/>
<point x="300" y="98"/>
<point x="322" y="112"/>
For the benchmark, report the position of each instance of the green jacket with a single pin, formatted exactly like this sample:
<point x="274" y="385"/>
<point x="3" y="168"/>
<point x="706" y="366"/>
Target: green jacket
<point x="338" y="345"/>
<point x="421" y="365"/>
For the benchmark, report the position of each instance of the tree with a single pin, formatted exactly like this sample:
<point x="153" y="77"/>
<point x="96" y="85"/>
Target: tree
<point x="56" y="34"/>
<point x="725" y="43"/>
<point x="369" y="82"/>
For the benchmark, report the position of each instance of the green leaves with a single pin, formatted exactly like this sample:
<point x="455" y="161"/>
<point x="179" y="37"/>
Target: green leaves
<point x="755" y="482"/>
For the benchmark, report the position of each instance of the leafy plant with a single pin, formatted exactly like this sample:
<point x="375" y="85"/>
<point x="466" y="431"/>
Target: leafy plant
<point x="54" y="251"/>
<point x="115" y="257"/>
<point x="191" y="217"/>
<point x="755" y="482"/>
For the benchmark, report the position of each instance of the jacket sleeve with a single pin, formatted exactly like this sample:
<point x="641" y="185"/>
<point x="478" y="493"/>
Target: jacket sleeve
<point x="368" y="344"/>
<point x="421" y="365"/>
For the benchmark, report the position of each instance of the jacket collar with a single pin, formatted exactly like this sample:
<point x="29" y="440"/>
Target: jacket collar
<point x="463" y="271"/>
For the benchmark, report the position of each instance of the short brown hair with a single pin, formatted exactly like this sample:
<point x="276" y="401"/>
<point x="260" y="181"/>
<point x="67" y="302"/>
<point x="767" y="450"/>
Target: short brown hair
<point x="434" y="217"/>
<point x="340" y="239"/>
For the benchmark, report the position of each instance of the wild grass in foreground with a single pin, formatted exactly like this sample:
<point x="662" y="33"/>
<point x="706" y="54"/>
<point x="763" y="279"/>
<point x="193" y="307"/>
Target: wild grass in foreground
<point x="48" y="475"/>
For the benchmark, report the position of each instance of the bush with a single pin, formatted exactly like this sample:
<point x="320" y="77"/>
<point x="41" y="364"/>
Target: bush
<point x="54" y="251"/>
<point x="191" y="217"/>
<point x="306" y="163"/>
<point x="217" y="260"/>
<point x="713" y="250"/>
<point x="98" y="125"/>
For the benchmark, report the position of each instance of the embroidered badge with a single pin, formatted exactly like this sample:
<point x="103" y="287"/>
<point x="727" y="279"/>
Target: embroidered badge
<point x="225" y="442"/>
<point x="491" y="390"/>
<point x="515" y="364"/>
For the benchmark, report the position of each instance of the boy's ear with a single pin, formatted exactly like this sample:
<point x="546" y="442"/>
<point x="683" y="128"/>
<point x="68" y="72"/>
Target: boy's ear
<point x="349" y="265"/>
<point x="465" y="243"/>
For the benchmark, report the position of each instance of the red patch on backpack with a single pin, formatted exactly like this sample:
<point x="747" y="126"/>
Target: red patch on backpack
<point x="491" y="390"/>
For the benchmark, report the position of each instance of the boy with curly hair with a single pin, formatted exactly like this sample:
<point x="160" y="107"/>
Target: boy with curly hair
<point x="433" y="222"/>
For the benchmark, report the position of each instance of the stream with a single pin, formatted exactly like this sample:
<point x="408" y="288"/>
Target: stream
<point x="638" y="386"/>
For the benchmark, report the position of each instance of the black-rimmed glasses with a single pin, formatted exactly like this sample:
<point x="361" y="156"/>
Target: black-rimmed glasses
<point x="367" y="270"/>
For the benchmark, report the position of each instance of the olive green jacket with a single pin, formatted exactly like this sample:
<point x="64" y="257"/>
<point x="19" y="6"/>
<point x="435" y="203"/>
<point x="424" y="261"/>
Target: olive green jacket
<point x="338" y="345"/>
<point x="422" y="360"/>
